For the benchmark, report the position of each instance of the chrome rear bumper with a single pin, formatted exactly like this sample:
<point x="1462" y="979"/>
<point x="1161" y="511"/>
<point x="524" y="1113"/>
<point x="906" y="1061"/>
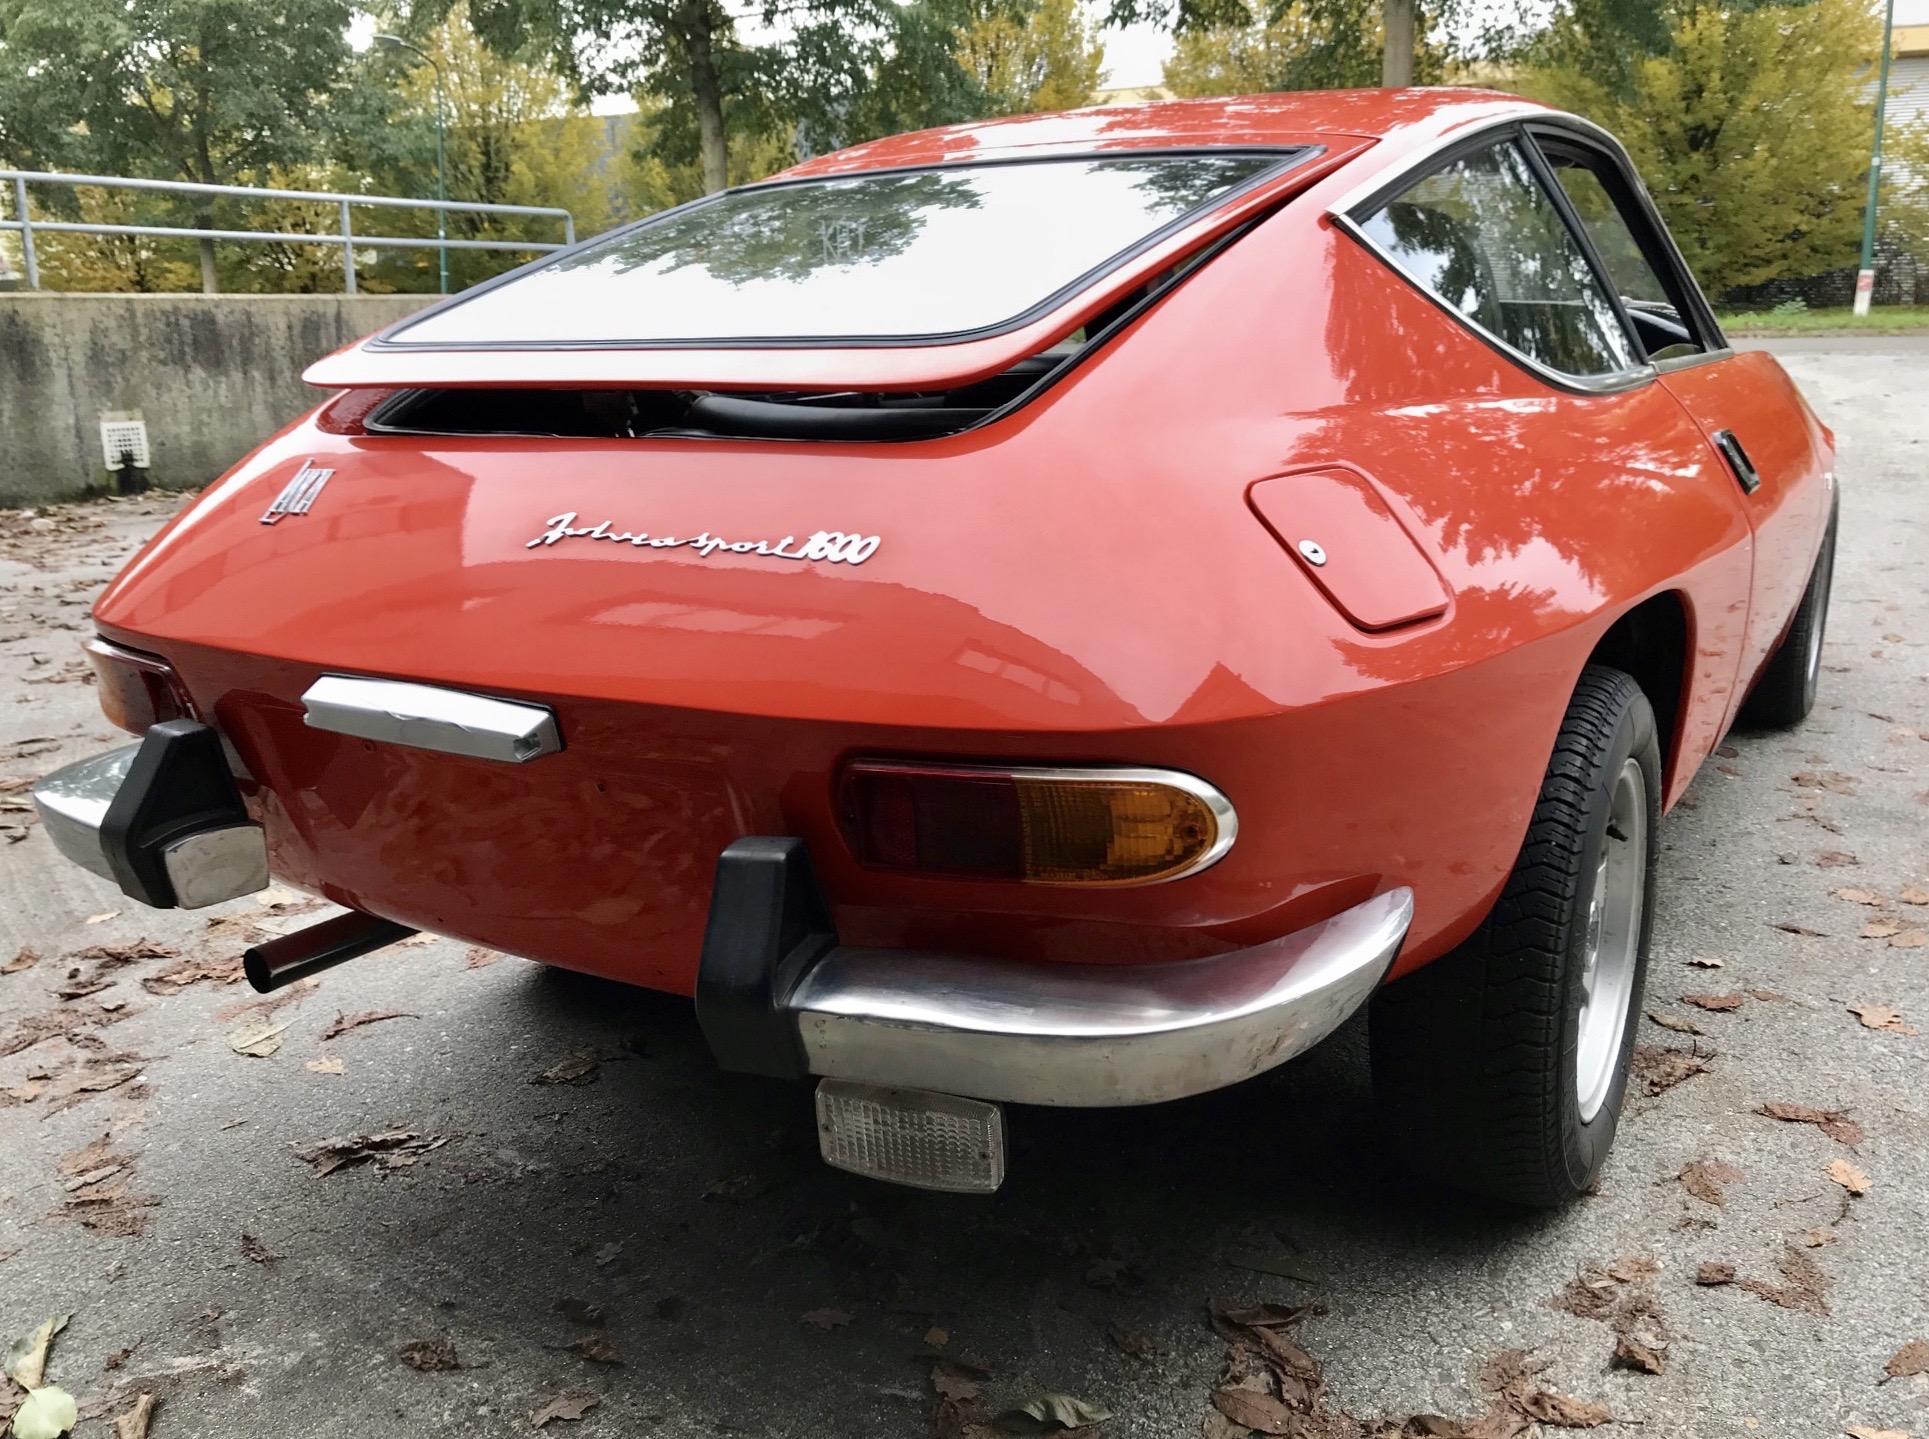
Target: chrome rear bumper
<point x="162" y="819"/>
<point x="1090" y="1035"/>
<point x="1052" y="1034"/>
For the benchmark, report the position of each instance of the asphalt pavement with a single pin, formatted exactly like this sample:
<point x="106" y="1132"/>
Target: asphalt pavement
<point x="568" y="1211"/>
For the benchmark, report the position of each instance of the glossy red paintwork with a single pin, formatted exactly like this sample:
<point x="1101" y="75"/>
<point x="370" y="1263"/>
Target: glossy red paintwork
<point x="1083" y="580"/>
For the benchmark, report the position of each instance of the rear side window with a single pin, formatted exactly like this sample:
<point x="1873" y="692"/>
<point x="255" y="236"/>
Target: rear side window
<point x="1486" y="239"/>
<point x="901" y="255"/>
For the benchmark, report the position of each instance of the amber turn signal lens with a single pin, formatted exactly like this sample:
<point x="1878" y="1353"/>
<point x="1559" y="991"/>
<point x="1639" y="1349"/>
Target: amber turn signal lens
<point x="137" y="691"/>
<point x="1042" y="826"/>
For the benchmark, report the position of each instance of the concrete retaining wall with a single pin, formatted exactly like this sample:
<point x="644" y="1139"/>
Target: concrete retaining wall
<point x="211" y="375"/>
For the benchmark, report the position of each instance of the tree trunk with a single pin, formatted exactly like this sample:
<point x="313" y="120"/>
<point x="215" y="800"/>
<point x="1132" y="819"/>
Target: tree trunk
<point x="1396" y="61"/>
<point x="700" y="28"/>
<point x="210" y="283"/>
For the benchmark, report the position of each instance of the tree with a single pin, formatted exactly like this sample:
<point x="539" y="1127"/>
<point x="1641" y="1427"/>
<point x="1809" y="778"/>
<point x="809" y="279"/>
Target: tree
<point x="1750" y="122"/>
<point x="1303" y="45"/>
<point x="688" y="53"/>
<point x="1025" y="60"/>
<point x="211" y="91"/>
<point x="517" y="135"/>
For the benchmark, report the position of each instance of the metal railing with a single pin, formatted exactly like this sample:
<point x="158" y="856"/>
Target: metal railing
<point x="345" y="237"/>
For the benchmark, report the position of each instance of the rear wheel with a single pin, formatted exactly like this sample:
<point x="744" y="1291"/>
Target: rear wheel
<point x="1785" y="693"/>
<point x="1501" y="1067"/>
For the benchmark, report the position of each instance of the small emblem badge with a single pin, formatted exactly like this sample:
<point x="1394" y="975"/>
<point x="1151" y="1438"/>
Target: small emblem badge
<point x="299" y="493"/>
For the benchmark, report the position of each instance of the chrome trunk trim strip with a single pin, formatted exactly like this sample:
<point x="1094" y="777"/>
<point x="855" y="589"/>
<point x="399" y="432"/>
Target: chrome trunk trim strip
<point x="427" y="717"/>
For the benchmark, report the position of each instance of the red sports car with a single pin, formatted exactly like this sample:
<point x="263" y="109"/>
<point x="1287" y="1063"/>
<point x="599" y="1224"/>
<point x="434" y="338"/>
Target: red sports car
<point x="1064" y="610"/>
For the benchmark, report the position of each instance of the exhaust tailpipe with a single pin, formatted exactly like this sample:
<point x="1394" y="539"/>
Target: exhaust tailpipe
<point x="276" y="963"/>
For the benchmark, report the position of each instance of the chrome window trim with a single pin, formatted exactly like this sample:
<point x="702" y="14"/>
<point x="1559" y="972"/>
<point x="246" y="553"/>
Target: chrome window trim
<point x="1225" y="817"/>
<point x="1617" y="382"/>
<point x="1688" y="362"/>
<point x="1346" y="213"/>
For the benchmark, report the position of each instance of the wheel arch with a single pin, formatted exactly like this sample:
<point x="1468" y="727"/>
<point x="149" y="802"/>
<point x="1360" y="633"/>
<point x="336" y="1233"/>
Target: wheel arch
<point x="1651" y="642"/>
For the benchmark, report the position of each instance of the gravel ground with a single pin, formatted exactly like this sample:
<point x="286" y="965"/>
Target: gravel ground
<point x="150" y="1183"/>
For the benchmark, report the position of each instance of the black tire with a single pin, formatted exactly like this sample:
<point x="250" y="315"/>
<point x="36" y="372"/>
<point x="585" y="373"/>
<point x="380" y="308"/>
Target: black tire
<point x="1785" y="693"/>
<point x="1475" y="1054"/>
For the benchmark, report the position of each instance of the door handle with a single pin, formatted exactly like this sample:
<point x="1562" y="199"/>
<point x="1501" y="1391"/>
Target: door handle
<point x="1745" y="473"/>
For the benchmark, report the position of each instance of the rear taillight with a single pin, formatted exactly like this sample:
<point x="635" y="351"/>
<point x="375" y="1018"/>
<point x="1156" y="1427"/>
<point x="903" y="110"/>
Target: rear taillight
<point x="137" y="691"/>
<point x="1096" y="826"/>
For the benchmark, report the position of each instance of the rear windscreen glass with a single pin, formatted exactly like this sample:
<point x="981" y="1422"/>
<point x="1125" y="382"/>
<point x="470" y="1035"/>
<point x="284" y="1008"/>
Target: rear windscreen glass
<point x="891" y="256"/>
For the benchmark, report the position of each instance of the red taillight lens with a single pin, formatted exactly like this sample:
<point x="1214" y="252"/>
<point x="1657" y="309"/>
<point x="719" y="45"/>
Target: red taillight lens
<point x="137" y="691"/>
<point x="1040" y="826"/>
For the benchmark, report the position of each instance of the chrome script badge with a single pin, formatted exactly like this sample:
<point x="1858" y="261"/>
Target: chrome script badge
<point x="298" y="494"/>
<point x="832" y="546"/>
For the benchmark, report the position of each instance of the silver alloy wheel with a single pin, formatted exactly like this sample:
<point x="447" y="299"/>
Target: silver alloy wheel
<point x="1613" y="940"/>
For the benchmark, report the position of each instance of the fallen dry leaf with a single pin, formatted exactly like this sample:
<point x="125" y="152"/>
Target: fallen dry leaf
<point x="1832" y="1122"/>
<point x="1801" y="929"/>
<point x="1818" y="1237"/>
<point x="46" y="1413"/>
<point x="391" y="1149"/>
<point x="1908" y="1361"/>
<point x="1620" y="1296"/>
<point x="255" y="1250"/>
<point x="480" y="958"/>
<point x="1054" y="1411"/>
<point x="827" y="1318"/>
<point x="568" y="1407"/>
<point x="258" y="1039"/>
<point x="1831" y="780"/>
<point x="1882" y="928"/>
<point x="327" y="1064"/>
<point x="1705" y="961"/>
<point x="1848" y="1176"/>
<point x="579" y="1068"/>
<point x="27" y="1359"/>
<point x="1679" y="1023"/>
<point x="1835" y="859"/>
<point x="1128" y="1340"/>
<point x="177" y="977"/>
<point x="953" y="1382"/>
<point x="1914" y="894"/>
<point x="1876" y="1016"/>
<point x="1804" y="1286"/>
<point x="1767" y="996"/>
<point x="596" y="1348"/>
<point x="133" y="1424"/>
<point x="103" y="917"/>
<point x="1863" y="1431"/>
<point x="580" y="1311"/>
<point x="1661" y="1069"/>
<point x="1713" y="1272"/>
<point x="1856" y="894"/>
<point x="1704" y="1179"/>
<point x="25" y="958"/>
<point x="1715" y="1003"/>
<point x="1910" y="939"/>
<point x="430" y="1356"/>
<point x="97" y="1182"/>
<point x="342" y="1023"/>
<point x="1256" y="1411"/>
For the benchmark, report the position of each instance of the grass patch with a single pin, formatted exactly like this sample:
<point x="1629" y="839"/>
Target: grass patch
<point x="1881" y="320"/>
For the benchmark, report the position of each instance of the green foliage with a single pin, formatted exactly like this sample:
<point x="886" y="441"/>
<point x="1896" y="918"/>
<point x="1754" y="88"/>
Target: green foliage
<point x="1043" y="58"/>
<point x="1297" y="45"/>
<point x="1751" y="123"/>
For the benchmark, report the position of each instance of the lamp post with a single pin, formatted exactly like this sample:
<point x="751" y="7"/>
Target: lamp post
<point x="1865" y="276"/>
<point x="441" y="152"/>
